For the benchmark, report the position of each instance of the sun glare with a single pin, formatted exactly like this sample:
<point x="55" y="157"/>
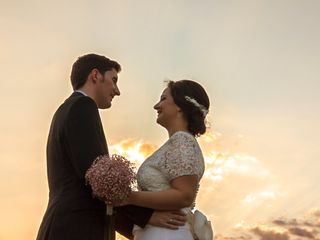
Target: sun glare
<point x="218" y="164"/>
<point x="135" y="151"/>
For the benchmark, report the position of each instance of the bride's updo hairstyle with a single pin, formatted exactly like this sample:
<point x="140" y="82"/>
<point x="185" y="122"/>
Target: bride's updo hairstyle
<point x="194" y="103"/>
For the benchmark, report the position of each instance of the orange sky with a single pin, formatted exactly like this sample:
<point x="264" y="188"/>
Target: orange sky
<point x="258" y="61"/>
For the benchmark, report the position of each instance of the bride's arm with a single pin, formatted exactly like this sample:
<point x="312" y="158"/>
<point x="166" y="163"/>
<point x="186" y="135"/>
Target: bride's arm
<point x="181" y="194"/>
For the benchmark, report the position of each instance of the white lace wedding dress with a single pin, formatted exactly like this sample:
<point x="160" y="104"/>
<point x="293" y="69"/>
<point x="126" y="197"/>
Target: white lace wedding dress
<point x="179" y="156"/>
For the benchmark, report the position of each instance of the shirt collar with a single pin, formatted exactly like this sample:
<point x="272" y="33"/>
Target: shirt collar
<point x="79" y="91"/>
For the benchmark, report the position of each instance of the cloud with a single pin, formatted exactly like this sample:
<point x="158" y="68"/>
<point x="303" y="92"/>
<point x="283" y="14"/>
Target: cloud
<point x="301" y="232"/>
<point x="281" y="228"/>
<point x="134" y="150"/>
<point x="221" y="164"/>
<point x="314" y="212"/>
<point x="260" y="196"/>
<point x="221" y="237"/>
<point x="147" y="148"/>
<point x="269" y="233"/>
<point x="218" y="164"/>
<point x="280" y="222"/>
<point x="245" y="186"/>
<point x="284" y="222"/>
<point x="223" y="170"/>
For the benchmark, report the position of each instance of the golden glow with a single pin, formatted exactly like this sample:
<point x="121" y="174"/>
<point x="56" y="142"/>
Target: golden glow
<point x="220" y="164"/>
<point x="134" y="150"/>
<point x="258" y="63"/>
<point x="250" y="198"/>
<point x="120" y="237"/>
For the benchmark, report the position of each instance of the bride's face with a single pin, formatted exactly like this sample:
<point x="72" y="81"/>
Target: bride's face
<point x="166" y="108"/>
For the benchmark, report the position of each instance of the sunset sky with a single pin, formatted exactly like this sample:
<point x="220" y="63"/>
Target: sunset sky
<point x="257" y="59"/>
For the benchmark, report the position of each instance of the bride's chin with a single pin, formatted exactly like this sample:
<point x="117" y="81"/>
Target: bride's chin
<point x="160" y="123"/>
<point x="164" y="126"/>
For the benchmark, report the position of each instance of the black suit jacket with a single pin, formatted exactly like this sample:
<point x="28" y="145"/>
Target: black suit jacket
<point x="75" y="139"/>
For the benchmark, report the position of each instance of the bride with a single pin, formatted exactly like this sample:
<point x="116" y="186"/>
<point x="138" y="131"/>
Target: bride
<point x="169" y="178"/>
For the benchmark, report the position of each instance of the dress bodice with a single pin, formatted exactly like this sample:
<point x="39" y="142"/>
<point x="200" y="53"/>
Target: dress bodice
<point x="179" y="156"/>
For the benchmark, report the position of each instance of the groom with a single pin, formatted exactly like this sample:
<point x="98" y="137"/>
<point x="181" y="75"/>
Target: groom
<point x="75" y="139"/>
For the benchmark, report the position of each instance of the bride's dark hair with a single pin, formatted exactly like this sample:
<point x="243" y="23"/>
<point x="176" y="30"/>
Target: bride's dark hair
<point x="194" y="115"/>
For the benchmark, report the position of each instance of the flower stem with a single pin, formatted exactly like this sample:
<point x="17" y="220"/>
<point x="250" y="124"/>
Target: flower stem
<point x="109" y="209"/>
<point x="109" y="231"/>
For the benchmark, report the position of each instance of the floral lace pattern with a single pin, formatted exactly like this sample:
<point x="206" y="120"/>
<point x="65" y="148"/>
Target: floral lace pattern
<point x="179" y="156"/>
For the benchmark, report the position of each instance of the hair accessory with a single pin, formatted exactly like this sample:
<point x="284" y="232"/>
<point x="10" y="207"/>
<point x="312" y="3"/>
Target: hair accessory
<point x="202" y="108"/>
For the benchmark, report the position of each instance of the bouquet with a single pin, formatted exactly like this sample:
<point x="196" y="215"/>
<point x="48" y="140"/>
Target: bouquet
<point x="111" y="180"/>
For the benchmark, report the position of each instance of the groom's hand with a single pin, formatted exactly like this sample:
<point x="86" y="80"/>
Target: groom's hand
<point x="168" y="219"/>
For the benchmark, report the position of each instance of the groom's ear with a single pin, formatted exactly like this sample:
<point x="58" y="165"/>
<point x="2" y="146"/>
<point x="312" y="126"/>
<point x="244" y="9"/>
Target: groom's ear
<point x="94" y="75"/>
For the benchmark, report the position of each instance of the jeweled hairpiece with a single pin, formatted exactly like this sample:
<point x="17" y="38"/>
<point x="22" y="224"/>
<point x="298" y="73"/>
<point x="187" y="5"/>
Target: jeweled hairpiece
<point x="202" y="108"/>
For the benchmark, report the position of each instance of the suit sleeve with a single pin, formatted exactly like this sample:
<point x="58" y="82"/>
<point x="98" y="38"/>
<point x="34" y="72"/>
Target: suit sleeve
<point x="129" y="215"/>
<point x="84" y="135"/>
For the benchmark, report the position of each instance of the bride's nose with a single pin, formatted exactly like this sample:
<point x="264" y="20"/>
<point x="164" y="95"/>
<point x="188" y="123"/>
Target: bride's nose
<point x="156" y="107"/>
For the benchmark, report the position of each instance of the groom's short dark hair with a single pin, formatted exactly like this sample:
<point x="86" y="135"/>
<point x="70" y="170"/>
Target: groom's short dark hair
<point x="84" y="65"/>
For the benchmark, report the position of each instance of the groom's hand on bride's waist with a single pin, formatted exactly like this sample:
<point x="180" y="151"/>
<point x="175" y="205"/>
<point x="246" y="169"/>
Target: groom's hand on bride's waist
<point x="168" y="219"/>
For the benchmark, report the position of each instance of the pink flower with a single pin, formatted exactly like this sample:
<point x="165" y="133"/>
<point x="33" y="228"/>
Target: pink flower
<point x="111" y="179"/>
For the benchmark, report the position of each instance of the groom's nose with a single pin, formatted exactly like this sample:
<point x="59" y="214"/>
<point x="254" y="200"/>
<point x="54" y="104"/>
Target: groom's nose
<point x="116" y="90"/>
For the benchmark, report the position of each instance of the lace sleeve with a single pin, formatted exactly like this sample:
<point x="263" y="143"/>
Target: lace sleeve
<point x="183" y="157"/>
